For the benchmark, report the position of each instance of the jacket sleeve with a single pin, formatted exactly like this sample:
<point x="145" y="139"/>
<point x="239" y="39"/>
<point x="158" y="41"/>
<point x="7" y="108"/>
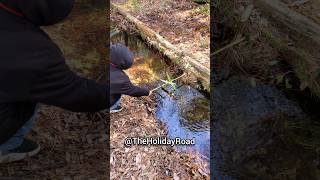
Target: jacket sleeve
<point x="129" y="89"/>
<point x="57" y="85"/>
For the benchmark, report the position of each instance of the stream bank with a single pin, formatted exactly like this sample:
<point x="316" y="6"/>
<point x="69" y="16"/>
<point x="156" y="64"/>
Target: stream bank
<point x="196" y="64"/>
<point x="159" y="115"/>
<point x="176" y="111"/>
<point x="185" y="109"/>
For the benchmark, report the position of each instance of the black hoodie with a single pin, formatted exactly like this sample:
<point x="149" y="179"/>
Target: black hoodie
<point x="121" y="59"/>
<point x="33" y="69"/>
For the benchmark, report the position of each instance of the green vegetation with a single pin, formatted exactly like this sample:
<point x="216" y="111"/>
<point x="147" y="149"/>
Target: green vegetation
<point x="136" y="5"/>
<point x="169" y="81"/>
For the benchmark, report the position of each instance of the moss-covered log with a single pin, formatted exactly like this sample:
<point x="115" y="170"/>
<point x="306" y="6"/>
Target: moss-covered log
<point x="304" y="55"/>
<point x="296" y="22"/>
<point x="186" y="61"/>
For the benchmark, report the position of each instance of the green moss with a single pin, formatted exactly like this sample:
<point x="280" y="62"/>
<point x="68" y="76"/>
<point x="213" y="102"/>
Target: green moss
<point x="136" y="5"/>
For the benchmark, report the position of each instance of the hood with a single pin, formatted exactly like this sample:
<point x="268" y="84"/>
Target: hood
<point x="121" y="56"/>
<point x="42" y="12"/>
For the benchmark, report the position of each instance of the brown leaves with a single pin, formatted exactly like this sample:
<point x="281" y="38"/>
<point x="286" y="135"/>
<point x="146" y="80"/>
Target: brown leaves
<point x="73" y="146"/>
<point x="176" y="21"/>
<point x="147" y="162"/>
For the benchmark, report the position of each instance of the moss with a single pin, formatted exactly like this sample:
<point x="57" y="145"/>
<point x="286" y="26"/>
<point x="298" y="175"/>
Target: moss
<point x="203" y="9"/>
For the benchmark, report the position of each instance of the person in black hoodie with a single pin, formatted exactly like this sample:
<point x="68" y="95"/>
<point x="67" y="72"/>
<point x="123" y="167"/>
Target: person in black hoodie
<point x="122" y="59"/>
<point x="33" y="70"/>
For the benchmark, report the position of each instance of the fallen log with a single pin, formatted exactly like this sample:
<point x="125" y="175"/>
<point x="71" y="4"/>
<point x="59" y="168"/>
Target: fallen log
<point x="304" y="55"/>
<point x="296" y="22"/>
<point x="187" y="62"/>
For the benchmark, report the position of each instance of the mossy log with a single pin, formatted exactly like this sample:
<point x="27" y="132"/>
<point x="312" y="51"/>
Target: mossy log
<point x="186" y="61"/>
<point x="304" y="55"/>
<point x="293" y="20"/>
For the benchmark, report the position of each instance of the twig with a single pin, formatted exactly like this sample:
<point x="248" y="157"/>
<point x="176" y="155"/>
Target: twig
<point x="167" y="82"/>
<point x="229" y="46"/>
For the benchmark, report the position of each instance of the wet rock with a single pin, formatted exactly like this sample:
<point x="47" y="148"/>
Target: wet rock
<point x="248" y="128"/>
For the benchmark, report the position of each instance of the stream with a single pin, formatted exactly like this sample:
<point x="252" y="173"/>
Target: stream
<point x="184" y="110"/>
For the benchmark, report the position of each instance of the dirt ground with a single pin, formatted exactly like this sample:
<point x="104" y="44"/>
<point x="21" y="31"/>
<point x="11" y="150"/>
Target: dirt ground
<point x="183" y="23"/>
<point x="74" y="145"/>
<point x="147" y="162"/>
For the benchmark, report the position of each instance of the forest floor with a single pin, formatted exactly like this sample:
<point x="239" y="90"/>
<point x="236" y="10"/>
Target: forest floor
<point x="186" y="28"/>
<point x="259" y="59"/>
<point x="138" y="119"/>
<point x="183" y="23"/>
<point x="309" y="8"/>
<point x="73" y="145"/>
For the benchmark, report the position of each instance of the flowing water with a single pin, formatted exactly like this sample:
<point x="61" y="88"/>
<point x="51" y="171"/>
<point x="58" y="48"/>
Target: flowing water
<point x="184" y="110"/>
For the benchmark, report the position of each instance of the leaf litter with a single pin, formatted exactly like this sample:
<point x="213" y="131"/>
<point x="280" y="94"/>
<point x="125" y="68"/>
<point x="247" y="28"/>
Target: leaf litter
<point x="73" y="145"/>
<point x="148" y="162"/>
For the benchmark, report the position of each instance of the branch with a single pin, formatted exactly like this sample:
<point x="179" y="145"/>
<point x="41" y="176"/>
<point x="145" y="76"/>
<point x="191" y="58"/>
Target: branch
<point x="168" y="82"/>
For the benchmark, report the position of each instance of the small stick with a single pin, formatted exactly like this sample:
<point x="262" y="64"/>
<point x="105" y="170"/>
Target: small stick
<point x="228" y="46"/>
<point x="168" y="83"/>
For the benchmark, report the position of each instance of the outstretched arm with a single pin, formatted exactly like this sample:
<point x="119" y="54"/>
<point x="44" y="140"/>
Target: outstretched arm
<point x="57" y="85"/>
<point x="129" y="89"/>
